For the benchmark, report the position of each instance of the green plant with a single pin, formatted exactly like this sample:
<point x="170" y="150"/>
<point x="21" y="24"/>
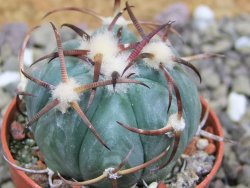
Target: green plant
<point x="102" y="110"/>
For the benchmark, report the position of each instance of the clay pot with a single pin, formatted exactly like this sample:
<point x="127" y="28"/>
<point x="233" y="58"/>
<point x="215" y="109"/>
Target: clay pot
<point x="213" y="122"/>
<point x="21" y="180"/>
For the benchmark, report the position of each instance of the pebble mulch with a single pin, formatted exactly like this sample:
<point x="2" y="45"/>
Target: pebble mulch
<point x="226" y="81"/>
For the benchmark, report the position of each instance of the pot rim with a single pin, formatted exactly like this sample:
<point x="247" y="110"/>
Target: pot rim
<point x="204" y="183"/>
<point x="5" y="146"/>
<point x="219" y="147"/>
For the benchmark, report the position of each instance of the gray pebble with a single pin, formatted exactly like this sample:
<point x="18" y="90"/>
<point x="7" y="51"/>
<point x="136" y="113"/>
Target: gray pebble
<point x="220" y="92"/>
<point x="246" y="59"/>
<point x="5" y="99"/>
<point x="218" y="47"/>
<point x="1" y="61"/>
<point x="186" y="178"/>
<point x="232" y="63"/>
<point x="211" y="34"/>
<point x="178" y="12"/>
<point x="4" y="173"/>
<point x="220" y="174"/>
<point x="6" y="51"/>
<point x="244" y="175"/>
<point x="232" y="54"/>
<point x="227" y="26"/>
<point x="217" y="184"/>
<point x="242" y="27"/>
<point x="241" y="186"/>
<point x="219" y="98"/>
<point x="231" y="164"/>
<point x="210" y="78"/>
<point x="200" y="162"/>
<point x="243" y="150"/>
<point x="223" y="71"/>
<point x="236" y="131"/>
<point x="13" y="34"/>
<point x="3" y="110"/>
<point x="218" y="104"/>
<point x="241" y="70"/>
<point x="194" y="39"/>
<point x="11" y="64"/>
<point x="186" y="51"/>
<point x="42" y="35"/>
<point x="8" y="185"/>
<point x="241" y="84"/>
<point x="245" y="121"/>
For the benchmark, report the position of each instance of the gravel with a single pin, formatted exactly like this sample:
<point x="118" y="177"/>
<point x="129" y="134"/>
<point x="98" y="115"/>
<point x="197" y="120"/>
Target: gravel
<point x="11" y="64"/>
<point x="5" y="98"/>
<point x="241" y="84"/>
<point x="229" y="36"/>
<point x="8" y="185"/>
<point x="210" y="78"/>
<point x="244" y="175"/>
<point x="178" y="12"/>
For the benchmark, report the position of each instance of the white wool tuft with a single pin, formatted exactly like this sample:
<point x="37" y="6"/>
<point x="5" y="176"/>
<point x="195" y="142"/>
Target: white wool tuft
<point x="65" y="93"/>
<point x="117" y="64"/>
<point x="162" y="54"/>
<point x="177" y="124"/>
<point x="121" y="21"/>
<point x="103" y="43"/>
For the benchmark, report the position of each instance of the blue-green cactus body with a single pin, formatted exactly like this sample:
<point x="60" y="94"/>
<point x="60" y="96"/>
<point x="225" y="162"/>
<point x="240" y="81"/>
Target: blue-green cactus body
<point x="71" y="149"/>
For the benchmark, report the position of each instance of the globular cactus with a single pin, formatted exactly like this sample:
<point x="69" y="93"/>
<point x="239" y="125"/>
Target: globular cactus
<point x="112" y="109"/>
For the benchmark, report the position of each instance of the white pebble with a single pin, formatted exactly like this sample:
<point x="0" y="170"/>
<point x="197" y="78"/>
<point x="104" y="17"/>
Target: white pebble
<point x="203" y="17"/>
<point x="242" y="44"/>
<point x="9" y="77"/>
<point x="153" y="185"/>
<point x="202" y="143"/>
<point x="237" y="106"/>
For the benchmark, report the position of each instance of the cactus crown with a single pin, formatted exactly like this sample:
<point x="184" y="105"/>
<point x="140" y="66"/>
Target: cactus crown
<point x="116" y="61"/>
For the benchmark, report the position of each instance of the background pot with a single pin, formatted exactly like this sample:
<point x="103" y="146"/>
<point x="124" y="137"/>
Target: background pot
<point x="21" y="180"/>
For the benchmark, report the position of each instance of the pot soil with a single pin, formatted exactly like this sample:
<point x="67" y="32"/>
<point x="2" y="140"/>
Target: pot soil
<point x="22" y="180"/>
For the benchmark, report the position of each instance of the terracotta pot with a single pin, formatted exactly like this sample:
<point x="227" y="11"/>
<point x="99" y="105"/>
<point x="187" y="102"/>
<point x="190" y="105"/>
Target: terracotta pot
<point x="217" y="128"/>
<point x="21" y="180"/>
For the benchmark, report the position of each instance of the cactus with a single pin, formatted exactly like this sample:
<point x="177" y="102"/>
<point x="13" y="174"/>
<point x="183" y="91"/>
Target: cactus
<point x="112" y="109"/>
